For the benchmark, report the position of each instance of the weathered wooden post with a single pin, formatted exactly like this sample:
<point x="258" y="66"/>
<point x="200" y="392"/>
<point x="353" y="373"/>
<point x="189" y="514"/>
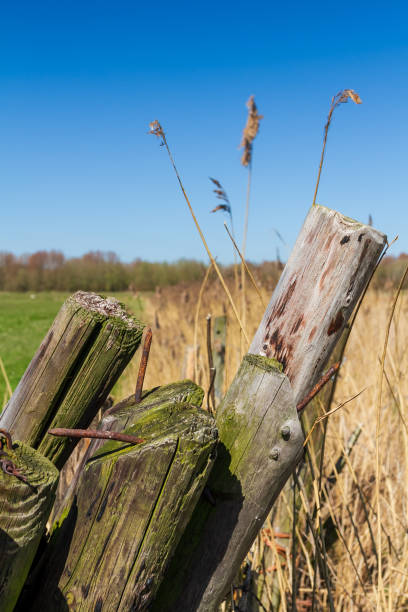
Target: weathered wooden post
<point x="121" y="416"/>
<point x="219" y="343"/>
<point x="320" y="285"/>
<point x="25" y="503"/>
<point x="260" y="442"/>
<point x="328" y="269"/>
<point x="87" y="348"/>
<point x="114" y="537"/>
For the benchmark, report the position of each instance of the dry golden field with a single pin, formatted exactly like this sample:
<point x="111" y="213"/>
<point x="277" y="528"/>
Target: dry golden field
<point x="363" y="509"/>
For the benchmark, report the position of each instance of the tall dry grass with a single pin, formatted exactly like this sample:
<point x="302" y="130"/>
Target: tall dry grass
<point x="347" y="508"/>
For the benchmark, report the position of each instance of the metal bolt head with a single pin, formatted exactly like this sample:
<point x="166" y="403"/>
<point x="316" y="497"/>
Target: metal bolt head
<point x="285" y="432"/>
<point x="275" y="452"/>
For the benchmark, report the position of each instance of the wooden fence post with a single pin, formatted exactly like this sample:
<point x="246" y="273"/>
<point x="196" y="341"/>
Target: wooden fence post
<point x="326" y="273"/>
<point x="24" y="509"/>
<point x="113" y="539"/>
<point x="219" y="343"/>
<point x="260" y="443"/>
<point x="122" y="415"/>
<point x="87" y="348"/>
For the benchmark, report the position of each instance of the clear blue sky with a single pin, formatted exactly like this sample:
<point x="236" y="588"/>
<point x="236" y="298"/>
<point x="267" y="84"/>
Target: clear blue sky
<point x="80" y="82"/>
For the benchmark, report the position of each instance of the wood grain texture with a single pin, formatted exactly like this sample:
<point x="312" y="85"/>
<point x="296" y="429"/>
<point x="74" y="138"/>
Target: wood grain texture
<point x="24" y="509"/>
<point x="87" y="348"/>
<point x="326" y="274"/>
<point x="113" y="543"/>
<point x="323" y="279"/>
<point x="260" y="444"/>
<point x="124" y="415"/>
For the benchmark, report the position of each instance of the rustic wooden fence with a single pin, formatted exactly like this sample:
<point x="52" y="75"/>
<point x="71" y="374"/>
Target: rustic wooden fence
<point x="162" y="518"/>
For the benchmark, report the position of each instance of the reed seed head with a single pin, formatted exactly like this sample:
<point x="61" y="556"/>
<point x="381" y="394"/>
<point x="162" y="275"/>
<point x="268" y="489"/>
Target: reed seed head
<point x="156" y="129"/>
<point x="221" y="195"/>
<point x="350" y="94"/>
<point x="250" y="131"/>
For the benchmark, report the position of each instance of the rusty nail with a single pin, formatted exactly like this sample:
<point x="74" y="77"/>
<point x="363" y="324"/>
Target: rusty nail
<point x="91" y="433"/>
<point x="9" y="468"/>
<point x="318" y="386"/>
<point x="6" y="434"/>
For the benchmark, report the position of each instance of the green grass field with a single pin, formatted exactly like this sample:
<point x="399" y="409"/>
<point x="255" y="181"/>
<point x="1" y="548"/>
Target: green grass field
<point x="24" y="320"/>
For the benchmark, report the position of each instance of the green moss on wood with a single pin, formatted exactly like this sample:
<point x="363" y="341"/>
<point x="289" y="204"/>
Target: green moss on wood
<point x="243" y="483"/>
<point x="87" y="348"/>
<point x="24" y="510"/>
<point x="131" y="507"/>
<point x="259" y="361"/>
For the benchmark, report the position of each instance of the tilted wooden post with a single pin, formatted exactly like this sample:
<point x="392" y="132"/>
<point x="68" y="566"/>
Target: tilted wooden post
<point x="355" y="265"/>
<point x="260" y="442"/>
<point x="24" y="510"/>
<point x="327" y="271"/>
<point x="87" y="348"/>
<point x="121" y="416"/>
<point x="131" y="506"/>
<point x="329" y="267"/>
<point x="219" y="342"/>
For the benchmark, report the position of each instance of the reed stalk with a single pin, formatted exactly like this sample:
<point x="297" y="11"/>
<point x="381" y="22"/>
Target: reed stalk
<point x="157" y="130"/>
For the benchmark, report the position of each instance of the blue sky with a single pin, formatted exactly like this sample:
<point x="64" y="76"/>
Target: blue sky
<point x="80" y="82"/>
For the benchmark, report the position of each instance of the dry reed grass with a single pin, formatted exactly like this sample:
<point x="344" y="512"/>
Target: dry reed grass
<point x="342" y="97"/>
<point x="348" y="508"/>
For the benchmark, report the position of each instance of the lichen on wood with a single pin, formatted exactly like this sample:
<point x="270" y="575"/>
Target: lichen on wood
<point x="260" y="444"/>
<point x="86" y="349"/>
<point x="110" y="547"/>
<point x="24" y="509"/>
<point x="125" y="414"/>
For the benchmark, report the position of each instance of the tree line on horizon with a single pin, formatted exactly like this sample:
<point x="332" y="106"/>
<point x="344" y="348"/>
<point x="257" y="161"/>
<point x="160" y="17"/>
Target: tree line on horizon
<point x="94" y="271"/>
<point x="103" y="271"/>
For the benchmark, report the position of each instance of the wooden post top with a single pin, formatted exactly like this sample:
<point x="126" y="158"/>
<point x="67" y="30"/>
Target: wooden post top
<point x="329" y="267"/>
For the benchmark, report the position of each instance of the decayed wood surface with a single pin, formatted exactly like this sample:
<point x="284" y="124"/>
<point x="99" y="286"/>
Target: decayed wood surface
<point x="123" y="415"/>
<point x="74" y="462"/>
<point x="324" y="398"/>
<point x="330" y="265"/>
<point x="326" y="273"/>
<point x="268" y="594"/>
<point x="112" y="543"/>
<point x="260" y="443"/>
<point x="24" y="509"/>
<point x="87" y="348"/>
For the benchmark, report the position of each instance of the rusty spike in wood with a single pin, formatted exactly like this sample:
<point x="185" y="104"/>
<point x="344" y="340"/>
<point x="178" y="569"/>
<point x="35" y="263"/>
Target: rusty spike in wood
<point x="129" y="510"/>
<point x="143" y="364"/>
<point x="318" y="387"/>
<point x="80" y="359"/>
<point x="326" y="273"/>
<point x="330" y="265"/>
<point x="93" y="433"/>
<point x="6" y="434"/>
